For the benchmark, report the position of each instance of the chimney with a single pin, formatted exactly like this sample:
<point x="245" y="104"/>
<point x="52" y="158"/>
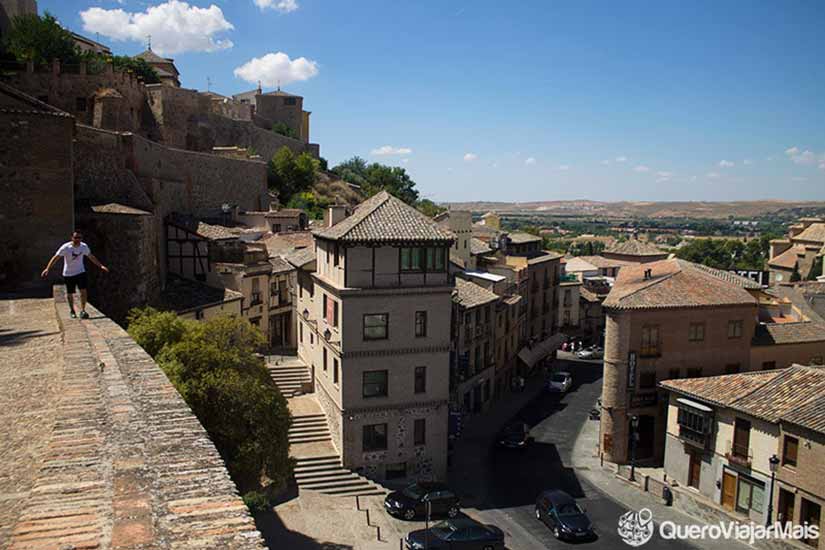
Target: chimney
<point x="648" y="274"/>
<point x="334" y="214"/>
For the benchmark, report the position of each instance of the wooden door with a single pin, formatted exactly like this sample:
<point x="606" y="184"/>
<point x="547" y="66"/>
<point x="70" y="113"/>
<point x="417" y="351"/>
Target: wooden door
<point x="728" y="491"/>
<point x="694" y="470"/>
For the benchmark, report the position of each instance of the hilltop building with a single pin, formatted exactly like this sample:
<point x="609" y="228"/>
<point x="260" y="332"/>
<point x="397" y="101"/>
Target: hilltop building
<point x="674" y="319"/>
<point x="799" y="255"/>
<point x="723" y="432"/>
<point x="374" y="327"/>
<point x="277" y="106"/>
<point x="164" y="66"/>
<point x="634" y="250"/>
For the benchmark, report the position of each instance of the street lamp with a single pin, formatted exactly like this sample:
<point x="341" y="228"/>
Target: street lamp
<point x="773" y="461"/>
<point x="634" y="435"/>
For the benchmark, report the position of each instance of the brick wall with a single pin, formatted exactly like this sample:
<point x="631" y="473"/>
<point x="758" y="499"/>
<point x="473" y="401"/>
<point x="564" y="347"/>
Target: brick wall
<point x="35" y="163"/>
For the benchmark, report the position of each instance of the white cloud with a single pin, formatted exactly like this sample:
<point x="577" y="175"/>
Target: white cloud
<point x="277" y="69"/>
<point x="805" y="157"/>
<point x="175" y="27"/>
<point x="664" y="175"/>
<point x="470" y="157"/>
<point x="388" y="150"/>
<point x="404" y="161"/>
<point x="642" y="168"/>
<point x="822" y="165"/>
<point x="606" y="162"/>
<point x="283" y="6"/>
<point x="792" y="151"/>
<point x="530" y="161"/>
<point x="747" y="162"/>
<point x="725" y="164"/>
<point x="621" y="159"/>
<point x="712" y="175"/>
<point x="564" y="167"/>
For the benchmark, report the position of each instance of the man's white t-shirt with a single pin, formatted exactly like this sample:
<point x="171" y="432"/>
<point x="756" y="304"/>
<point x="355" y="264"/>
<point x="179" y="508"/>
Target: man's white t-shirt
<point x="73" y="258"/>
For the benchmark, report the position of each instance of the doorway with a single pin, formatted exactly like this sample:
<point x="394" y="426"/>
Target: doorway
<point x="787" y="504"/>
<point x="728" y="491"/>
<point x="647" y="434"/>
<point x="694" y="470"/>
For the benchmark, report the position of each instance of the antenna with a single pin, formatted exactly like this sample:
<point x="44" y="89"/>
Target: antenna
<point x="149" y="42"/>
<point x="208" y="83"/>
<point x="279" y="85"/>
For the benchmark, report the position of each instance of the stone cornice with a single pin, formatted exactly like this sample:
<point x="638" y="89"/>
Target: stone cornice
<point x="399" y="406"/>
<point x="396" y="351"/>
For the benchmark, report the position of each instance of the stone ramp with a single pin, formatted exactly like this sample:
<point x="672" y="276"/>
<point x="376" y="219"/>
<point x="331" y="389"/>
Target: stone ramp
<point x="127" y="463"/>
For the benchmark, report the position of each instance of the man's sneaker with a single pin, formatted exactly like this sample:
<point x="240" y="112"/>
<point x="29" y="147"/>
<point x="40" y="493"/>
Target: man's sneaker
<point x="72" y="314"/>
<point x="84" y="315"/>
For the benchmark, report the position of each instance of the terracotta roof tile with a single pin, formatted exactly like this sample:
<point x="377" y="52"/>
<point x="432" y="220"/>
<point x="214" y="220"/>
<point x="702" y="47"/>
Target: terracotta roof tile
<point x="677" y="283"/>
<point x="519" y="237"/>
<point x="815" y="232"/>
<point x="788" y="258"/>
<point x="604" y="263"/>
<point x="384" y="218"/>
<point x="182" y="295"/>
<point x="771" y="334"/>
<point x="635" y="247"/>
<point x="477" y="247"/>
<point x="468" y="294"/>
<point x="721" y="390"/>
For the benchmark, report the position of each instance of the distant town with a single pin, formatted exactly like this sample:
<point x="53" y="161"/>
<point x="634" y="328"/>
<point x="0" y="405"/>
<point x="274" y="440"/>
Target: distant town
<point x="280" y="353"/>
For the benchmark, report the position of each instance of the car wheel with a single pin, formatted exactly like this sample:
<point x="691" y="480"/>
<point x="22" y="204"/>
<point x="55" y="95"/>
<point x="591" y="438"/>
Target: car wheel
<point x="452" y="512"/>
<point x="556" y="532"/>
<point x="409" y="514"/>
<point x="488" y="547"/>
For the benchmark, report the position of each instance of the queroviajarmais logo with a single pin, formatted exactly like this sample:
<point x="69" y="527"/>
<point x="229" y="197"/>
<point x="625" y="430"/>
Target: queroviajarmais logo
<point x="636" y="528"/>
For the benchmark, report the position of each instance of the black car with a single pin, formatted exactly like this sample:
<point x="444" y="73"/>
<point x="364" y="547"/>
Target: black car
<point x="412" y="501"/>
<point x="458" y="533"/>
<point x="514" y="436"/>
<point x="563" y="516"/>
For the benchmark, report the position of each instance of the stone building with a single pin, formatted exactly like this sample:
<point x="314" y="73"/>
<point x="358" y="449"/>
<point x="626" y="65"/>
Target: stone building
<point x="634" y="250"/>
<point x="723" y="431"/>
<point x="460" y="224"/>
<point x="473" y="336"/>
<point x="568" y="314"/>
<point x="374" y="327"/>
<point x="36" y="161"/>
<point x="164" y="67"/>
<point x="278" y="107"/>
<point x="800" y="252"/>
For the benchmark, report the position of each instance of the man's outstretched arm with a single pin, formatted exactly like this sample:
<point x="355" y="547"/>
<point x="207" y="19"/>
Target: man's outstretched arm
<point x="97" y="263"/>
<point x="49" y="266"/>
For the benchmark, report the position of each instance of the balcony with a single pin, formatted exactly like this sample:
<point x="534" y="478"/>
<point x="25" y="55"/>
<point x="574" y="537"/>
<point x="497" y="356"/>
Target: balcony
<point x="739" y="453"/>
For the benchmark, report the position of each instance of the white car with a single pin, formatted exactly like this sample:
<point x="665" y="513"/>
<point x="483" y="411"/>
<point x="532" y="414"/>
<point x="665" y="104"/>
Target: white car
<point x="590" y="353"/>
<point x="560" y="382"/>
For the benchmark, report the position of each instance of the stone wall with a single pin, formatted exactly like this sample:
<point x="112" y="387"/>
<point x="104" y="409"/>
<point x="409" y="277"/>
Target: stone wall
<point x="36" y="194"/>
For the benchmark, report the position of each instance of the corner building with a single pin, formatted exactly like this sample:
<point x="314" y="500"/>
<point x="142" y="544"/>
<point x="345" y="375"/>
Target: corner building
<point x="374" y="327"/>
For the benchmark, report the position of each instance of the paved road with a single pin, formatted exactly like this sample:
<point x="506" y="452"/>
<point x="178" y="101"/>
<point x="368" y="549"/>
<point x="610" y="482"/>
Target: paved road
<point x="503" y="484"/>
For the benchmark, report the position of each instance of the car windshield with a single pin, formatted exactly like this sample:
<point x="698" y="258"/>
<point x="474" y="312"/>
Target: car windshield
<point x="443" y="530"/>
<point x="414" y="491"/>
<point x="558" y="378"/>
<point x="569" y="509"/>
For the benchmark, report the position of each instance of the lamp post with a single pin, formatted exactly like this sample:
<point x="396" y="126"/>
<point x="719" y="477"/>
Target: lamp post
<point x="634" y="435"/>
<point x="773" y="461"/>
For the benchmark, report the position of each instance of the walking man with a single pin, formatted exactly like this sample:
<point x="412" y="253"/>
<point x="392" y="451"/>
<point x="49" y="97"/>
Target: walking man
<point x="74" y="270"/>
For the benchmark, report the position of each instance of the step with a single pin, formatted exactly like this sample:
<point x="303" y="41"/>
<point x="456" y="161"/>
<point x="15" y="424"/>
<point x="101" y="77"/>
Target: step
<point x="342" y="476"/>
<point x="309" y="417"/>
<point x="314" y="420"/>
<point x="302" y="440"/>
<point x="308" y="431"/>
<point x="346" y="485"/>
<point x="309" y="425"/>
<point x="352" y="491"/>
<point x="339" y="473"/>
<point x="323" y="458"/>
<point x="291" y="377"/>
<point x="326" y="467"/>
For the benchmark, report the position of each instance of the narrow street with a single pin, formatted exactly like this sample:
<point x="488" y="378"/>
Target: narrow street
<point x="503" y="484"/>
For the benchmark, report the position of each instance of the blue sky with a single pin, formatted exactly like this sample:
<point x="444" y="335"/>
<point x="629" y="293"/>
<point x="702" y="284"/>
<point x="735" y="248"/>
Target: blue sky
<point x="522" y="101"/>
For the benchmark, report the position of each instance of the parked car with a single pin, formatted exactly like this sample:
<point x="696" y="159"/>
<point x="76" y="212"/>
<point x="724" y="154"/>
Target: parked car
<point x="594" y="352"/>
<point x="515" y="435"/>
<point x="459" y="533"/>
<point x="411" y="502"/>
<point x="560" y="382"/>
<point x="559" y="511"/>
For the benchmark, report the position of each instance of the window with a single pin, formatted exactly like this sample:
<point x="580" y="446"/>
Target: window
<point x="420" y="379"/>
<point x="816" y="360"/>
<point x="741" y="438"/>
<point x="301" y="332"/>
<point x="255" y="322"/>
<point x="375" y="437"/>
<point x="290" y="101"/>
<point x="566" y="320"/>
<point x="335" y="370"/>
<point x="375" y="383"/>
<point x="696" y="333"/>
<point x="650" y="341"/>
<point x="750" y="495"/>
<point x="647" y="380"/>
<point x="375" y="326"/>
<point x="694" y="425"/>
<point x="487" y="314"/>
<point x="335" y="258"/>
<point x="80" y="104"/>
<point x="734" y="329"/>
<point x="789" y="451"/>
<point x="420" y="324"/>
<point x="567" y="298"/>
<point x="421" y="259"/>
<point x="694" y="372"/>
<point x="256" y="292"/>
<point x="420" y="431"/>
<point x="325" y="359"/>
<point x="732" y="368"/>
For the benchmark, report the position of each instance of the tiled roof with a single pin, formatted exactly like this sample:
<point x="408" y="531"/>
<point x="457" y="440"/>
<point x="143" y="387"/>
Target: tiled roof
<point x="29" y="105"/>
<point x="279" y="265"/>
<point x="795" y="394"/>
<point x="789" y="333"/>
<point x="543" y="256"/>
<point x="635" y="247"/>
<point x="589" y="295"/>
<point x="578" y="264"/>
<point x="116" y="208"/>
<point x="468" y="294"/>
<point x="108" y="92"/>
<point x="301" y="257"/>
<point x="604" y="263"/>
<point x="677" y="283"/>
<point x="205" y="230"/>
<point x="815" y="232"/>
<point x="284" y="213"/>
<point x="806" y="297"/>
<point x="182" y="295"/>
<point x="523" y="238"/>
<point x="151" y="57"/>
<point x="384" y="218"/>
<point x="282" y="243"/>
<point x="788" y="258"/>
<point x="477" y="246"/>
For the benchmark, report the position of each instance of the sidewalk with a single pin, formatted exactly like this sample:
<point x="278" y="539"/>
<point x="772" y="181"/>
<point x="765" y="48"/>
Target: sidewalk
<point x="586" y="463"/>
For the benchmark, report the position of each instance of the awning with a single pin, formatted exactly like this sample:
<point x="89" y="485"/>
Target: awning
<point x="693" y="405"/>
<point x="531" y="355"/>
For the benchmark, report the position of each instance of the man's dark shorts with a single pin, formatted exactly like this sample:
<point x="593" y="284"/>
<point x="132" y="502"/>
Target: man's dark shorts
<point x="78" y="281"/>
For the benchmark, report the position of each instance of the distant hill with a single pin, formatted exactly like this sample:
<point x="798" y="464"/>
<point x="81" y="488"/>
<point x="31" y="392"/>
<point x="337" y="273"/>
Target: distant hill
<point x="629" y="209"/>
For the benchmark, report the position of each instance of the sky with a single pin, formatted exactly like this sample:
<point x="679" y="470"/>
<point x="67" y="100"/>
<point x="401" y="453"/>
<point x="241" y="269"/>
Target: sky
<point x="520" y="101"/>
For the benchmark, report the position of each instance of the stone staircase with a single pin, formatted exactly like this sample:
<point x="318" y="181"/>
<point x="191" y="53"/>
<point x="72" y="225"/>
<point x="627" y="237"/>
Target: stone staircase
<point x="309" y="428"/>
<point x="325" y="474"/>
<point x="288" y="377"/>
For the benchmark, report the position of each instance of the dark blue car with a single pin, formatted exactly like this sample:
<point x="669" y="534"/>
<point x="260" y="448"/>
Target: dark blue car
<point x="457" y="534"/>
<point x="559" y="511"/>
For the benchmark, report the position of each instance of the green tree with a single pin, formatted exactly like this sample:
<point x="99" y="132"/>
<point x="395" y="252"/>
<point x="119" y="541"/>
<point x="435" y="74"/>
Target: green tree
<point x="289" y="174"/>
<point x="215" y="368"/>
<point x="310" y="203"/>
<point x="40" y="39"/>
<point x="429" y="208"/>
<point x="138" y="66"/>
<point x="284" y="129"/>
<point x="374" y="178"/>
